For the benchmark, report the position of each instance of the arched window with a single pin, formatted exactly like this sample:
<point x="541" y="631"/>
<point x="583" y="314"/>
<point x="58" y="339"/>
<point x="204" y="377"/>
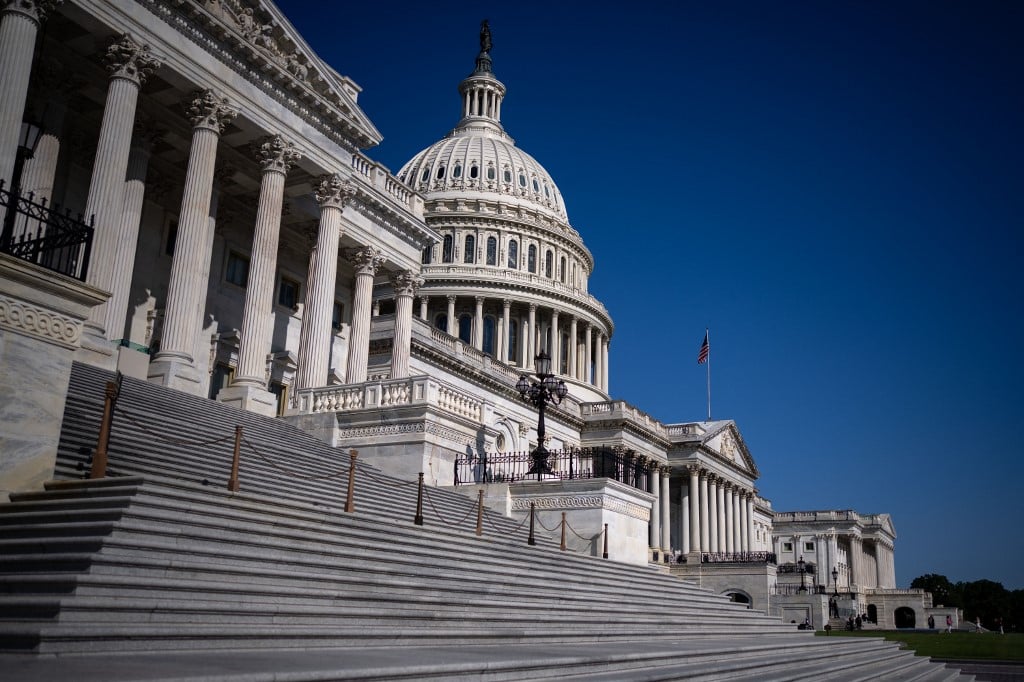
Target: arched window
<point x="513" y="254"/>
<point x="489" y="324"/>
<point x="440" y="172"/>
<point x="507" y="175"/>
<point x="428" y="252"/>
<point x="536" y="186"/>
<point x="426" y="175"/>
<point x="513" y="339"/>
<point x="490" y="172"/>
<point x="466" y="327"/>
<point x="561" y="270"/>
<point x="446" y="253"/>
<point x="492" y="251"/>
<point x="522" y="179"/>
<point x="441" y="321"/>
<point x="549" y="259"/>
<point x="469" y="255"/>
<point x="531" y="258"/>
<point x="474" y="171"/>
<point x="457" y="171"/>
<point x="563" y="349"/>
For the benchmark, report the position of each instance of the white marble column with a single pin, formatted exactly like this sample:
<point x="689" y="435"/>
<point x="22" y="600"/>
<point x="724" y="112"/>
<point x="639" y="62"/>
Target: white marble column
<point x="129" y="64"/>
<point x="249" y="387"/>
<point x="705" y="506"/>
<point x="604" y="363"/>
<point x="332" y="193"/>
<point x="750" y="522"/>
<point x="405" y="285"/>
<point x="684" y="515"/>
<point x="693" y="471"/>
<point x="730" y="536"/>
<point x="506" y="315"/>
<point x="19" y="24"/>
<point x="666" y="517"/>
<point x="598" y="357"/>
<point x="655" y="526"/>
<point x="737" y="538"/>
<point x="39" y="171"/>
<point x="174" y="365"/>
<point x="713" y="514"/>
<point x="453" y="327"/>
<point x="531" y="348"/>
<point x="478" y="323"/>
<point x="588" y="353"/>
<point x="366" y="261"/>
<point x="424" y="307"/>
<point x="742" y="517"/>
<point x="556" y="345"/>
<point x="720" y="514"/>
<point x="128" y="232"/>
<point x="573" y="346"/>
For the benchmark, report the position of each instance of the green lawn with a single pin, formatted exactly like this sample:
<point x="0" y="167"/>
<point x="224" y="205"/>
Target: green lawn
<point x="988" y="646"/>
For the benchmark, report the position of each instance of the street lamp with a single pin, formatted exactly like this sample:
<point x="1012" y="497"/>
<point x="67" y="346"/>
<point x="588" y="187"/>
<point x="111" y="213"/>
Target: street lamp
<point x="803" y="569"/>
<point x="547" y="390"/>
<point x="835" y="581"/>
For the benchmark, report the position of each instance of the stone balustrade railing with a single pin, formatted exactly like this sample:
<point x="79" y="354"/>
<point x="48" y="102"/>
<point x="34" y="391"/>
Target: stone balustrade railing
<point x="622" y="409"/>
<point x="378" y="176"/>
<point x="817" y="516"/>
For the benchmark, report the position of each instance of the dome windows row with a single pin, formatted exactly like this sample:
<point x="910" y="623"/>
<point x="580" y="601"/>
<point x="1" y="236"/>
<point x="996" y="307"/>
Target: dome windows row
<point x="524" y="182"/>
<point x="534" y="259"/>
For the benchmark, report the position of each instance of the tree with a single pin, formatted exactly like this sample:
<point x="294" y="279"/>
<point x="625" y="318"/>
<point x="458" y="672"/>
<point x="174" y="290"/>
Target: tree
<point x="985" y="599"/>
<point x="944" y="593"/>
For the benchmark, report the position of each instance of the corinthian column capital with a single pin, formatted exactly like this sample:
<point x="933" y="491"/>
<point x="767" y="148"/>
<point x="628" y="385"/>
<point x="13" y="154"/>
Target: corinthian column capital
<point x="128" y="59"/>
<point x="406" y="283"/>
<point x="276" y="154"/>
<point x="366" y="260"/>
<point x="36" y="10"/>
<point x="333" y="191"/>
<point x="210" y="111"/>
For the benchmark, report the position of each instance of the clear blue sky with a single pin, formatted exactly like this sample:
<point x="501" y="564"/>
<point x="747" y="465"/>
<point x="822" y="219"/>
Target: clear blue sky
<point x="834" y="188"/>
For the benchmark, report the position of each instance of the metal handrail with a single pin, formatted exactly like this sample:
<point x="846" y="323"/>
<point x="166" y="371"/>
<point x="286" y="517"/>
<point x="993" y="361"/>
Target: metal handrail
<point x="570" y="464"/>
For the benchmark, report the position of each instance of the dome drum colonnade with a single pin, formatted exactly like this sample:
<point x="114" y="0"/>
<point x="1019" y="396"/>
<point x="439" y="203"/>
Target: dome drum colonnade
<point x="211" y="109"/>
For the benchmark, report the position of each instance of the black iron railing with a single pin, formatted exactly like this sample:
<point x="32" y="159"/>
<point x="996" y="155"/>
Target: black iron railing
<point x="737" y="558"/>
<point x="790" y="590"/>
<point x="575" y="463"/>
<point x="37" y="233"/>
<point x="809" y="569"/>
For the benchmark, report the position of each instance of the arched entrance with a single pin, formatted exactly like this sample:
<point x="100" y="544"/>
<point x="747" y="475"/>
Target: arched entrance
<point x="739" y="598"/>
<point x="872" y="613"/>
<point x="904" y="617"/>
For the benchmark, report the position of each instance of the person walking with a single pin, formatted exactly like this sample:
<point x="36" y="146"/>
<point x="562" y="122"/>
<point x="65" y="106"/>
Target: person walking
<point x="949" y="624"/>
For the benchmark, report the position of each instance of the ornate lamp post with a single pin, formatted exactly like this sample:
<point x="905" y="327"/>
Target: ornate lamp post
<point x="547" y="390"/>
<point x="835" y="581"/>
<point x="802" y="566"/>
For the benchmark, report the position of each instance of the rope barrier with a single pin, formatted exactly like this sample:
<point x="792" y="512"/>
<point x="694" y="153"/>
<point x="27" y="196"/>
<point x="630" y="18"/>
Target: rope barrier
<point x="291" y="472"/>
<point x="389" y="481"/>
<point x="439" y="516"/>
<point x="165" y="439"/>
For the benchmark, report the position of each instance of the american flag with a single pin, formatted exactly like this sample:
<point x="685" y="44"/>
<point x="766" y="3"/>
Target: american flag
<point x="702" y="356"/>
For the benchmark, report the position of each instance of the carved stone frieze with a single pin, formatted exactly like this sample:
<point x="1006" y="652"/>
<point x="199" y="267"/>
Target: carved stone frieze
<point x="583" y="502"/>
<point x="39" y="322"/>
<point x="127" y="59"/>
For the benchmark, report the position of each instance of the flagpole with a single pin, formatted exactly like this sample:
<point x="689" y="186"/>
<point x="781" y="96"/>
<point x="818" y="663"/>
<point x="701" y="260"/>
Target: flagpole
<point x="707" y="335"/>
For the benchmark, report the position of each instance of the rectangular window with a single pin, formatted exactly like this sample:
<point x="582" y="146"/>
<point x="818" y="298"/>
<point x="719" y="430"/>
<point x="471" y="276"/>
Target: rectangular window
<point x="172" y="237"/>
<point x="808" y="546"/>
<point x="288" y="293"/>
<point x="787" y="546"/>
<point x="337" y="315"/>
<point x="237" y="271"/>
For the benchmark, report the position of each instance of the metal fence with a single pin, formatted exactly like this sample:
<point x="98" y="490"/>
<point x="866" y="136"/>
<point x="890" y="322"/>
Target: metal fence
<point x="575" y="463"/>
<point x="737" y="558"/>
<point x="39" y="234"/>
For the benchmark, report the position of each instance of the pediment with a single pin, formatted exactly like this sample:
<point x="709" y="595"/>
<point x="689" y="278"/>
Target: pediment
<point x="272" y="45"/>
<point x="726" y="442"/>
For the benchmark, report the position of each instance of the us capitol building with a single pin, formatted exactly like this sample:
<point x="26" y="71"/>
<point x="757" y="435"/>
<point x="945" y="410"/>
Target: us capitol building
<point x="246" y="249"/>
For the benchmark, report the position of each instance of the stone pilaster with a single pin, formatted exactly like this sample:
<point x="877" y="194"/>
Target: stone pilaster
<point x="424" y="308"/>
<point x="655" y="526"/>
<point x="249" y="387"/>
<point x="666" y="517"/>
<point x="478" y="323"/>
<point x="366" y="261"/>
<point x="453" y="327"/>
<point x="174" y="364"/>
<point x="129" y="64"/>
<point x="19" y="24"/>
<point x="332" y="193"/>
<point x="405" y="285"/>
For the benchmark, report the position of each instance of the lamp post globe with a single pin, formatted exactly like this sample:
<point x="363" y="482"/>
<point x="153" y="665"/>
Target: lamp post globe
<point x="547" y="389"/>
<point x="803" y="570"/>
<point x="835" y="581"/>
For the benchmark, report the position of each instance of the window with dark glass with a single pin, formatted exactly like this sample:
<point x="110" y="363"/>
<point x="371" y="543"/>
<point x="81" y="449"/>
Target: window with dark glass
<point x="508" y="175"/>
<point x="490" y="172"/>
<point x="561" y="270"/>
<point x="428" y="253"/>
<point x="489" y="335"/>
<point x="522" y="180"/>
<point x="457" y="171"/>
<point x="446" y="253"/>
<point x="513" y="254"/>
<point x="548" y="263"/>
<point x="440" y="172"/>
<point x="492" y="251"/>
<point x="531" y="258"/>
<point x="441" y="321"/>
<point x="288" y="293"/>
<point x="466" y="327"/>
<point x="426" y="175"/>
<point x="469" y="256"/>
<point x="536" y="186"/>
<point x="513" y="339"/>
<point x="474" y="171"/>
<point x="337" y="315"/>
<point x="237" y="271"/>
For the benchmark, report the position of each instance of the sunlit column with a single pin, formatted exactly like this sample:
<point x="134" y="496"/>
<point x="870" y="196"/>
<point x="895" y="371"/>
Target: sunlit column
<point x="684" y="515"/>
<point x="478" y="324"/>
<point x="694" y="470"/>
<point x="405" y="285"/>
<point x="366" y="261"/>
<point x="453" y="329"/>
<point x="556" y="350"/>
<point x="604" y="363"/>
<point x="720" y="513"/>
<point x="655" y="487"/>
<point x="332" y="193"/>
<point x="588" y="354"/>
<point x="531" y="349"/>
<point x="508" y="352"/>
<point x="666" y="518"/>
<point x="730" y="535"/>
<point x="750" y="521"/>
<point x="705" y="545"/>
<point x="573" y="346"/>
<point x="713" y="514"/>
<point x="424" y="305"/>
<point x="737" y="539"/>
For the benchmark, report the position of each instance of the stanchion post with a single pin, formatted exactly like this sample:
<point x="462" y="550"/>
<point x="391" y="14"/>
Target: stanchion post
<point x="605" y="554"/>
<point x="418" y="520"/>
<point x="531" y="540"/>
<point x="480" y="512"/>
<point x="350" y="502"/>
<point x="233" y="480"/>
<point x="563" y="531"/>
<point x="99" y="458"/>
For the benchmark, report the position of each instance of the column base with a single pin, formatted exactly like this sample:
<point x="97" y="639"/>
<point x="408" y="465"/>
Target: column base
<point x="250" y="398"/>
<point x="133" y="363"/>
<point x="178" y="374"/>
<point x="96" y="349"/>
